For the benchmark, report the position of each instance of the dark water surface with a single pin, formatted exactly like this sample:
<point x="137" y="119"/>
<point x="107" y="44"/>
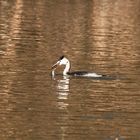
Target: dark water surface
<point x="96" y="35"/>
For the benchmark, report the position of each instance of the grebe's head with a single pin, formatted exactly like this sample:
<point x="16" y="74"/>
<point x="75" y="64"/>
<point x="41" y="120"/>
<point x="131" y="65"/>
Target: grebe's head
<point x="61" y="61"/>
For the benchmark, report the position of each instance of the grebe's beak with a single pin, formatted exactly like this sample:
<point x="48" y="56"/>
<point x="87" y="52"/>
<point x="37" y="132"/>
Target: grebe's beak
<point x="55" y="65"/>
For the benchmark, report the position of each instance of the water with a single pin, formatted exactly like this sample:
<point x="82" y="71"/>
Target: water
<point x="99" y="36"/>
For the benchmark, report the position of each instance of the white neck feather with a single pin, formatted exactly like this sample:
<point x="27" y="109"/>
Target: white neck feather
<point x="67" y="68"/>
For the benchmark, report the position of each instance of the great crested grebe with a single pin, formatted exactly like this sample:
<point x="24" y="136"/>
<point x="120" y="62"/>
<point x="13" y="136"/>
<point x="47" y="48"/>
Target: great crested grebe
<point x="64" y="61"/>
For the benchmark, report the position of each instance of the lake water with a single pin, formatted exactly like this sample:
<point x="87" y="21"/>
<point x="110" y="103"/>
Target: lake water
<point x="96" y="35"/>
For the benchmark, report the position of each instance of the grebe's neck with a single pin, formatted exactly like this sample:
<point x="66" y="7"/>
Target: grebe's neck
<point x="67" y="68"/>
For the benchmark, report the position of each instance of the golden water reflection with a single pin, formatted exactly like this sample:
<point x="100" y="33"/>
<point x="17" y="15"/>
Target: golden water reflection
<point x="99" y="36"/>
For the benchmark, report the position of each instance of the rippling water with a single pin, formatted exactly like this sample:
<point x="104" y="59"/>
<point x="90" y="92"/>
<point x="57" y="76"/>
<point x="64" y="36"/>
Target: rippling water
<point x="96" y="35"/>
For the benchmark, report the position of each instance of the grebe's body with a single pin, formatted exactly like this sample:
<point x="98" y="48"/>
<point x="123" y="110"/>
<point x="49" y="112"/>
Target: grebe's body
<point x="64" y="61"/>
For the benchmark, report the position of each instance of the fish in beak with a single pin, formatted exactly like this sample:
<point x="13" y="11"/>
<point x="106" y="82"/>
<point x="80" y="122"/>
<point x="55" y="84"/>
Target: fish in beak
<point x="59" y="62"/>
<point x="55" y="65"/>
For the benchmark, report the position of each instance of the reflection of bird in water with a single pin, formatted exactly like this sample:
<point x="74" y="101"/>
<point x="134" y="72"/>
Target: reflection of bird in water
<point x="63" y="88"/>
<point x="63" y="92"/>
<point x="64" y="61"/>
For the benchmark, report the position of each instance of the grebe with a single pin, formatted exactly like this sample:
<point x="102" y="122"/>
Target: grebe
<point x="64" y="61"/>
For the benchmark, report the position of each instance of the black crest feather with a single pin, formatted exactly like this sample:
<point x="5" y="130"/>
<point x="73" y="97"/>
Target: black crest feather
<point x="61" y="57"/>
